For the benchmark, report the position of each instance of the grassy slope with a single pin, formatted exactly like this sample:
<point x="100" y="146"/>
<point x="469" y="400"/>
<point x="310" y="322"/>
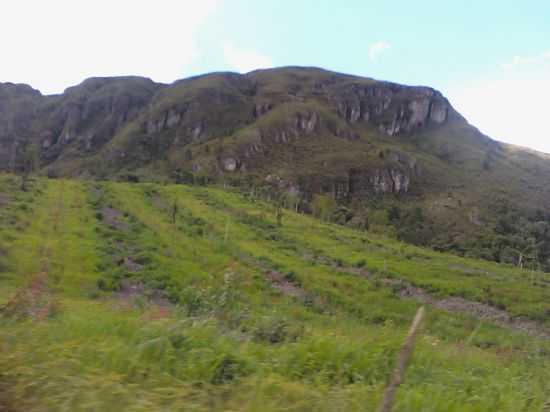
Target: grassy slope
<point x="231" y="341"/>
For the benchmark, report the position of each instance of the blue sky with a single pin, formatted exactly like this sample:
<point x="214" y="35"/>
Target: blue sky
<point x="435" y="42"/>
<point x="491" y="58"/>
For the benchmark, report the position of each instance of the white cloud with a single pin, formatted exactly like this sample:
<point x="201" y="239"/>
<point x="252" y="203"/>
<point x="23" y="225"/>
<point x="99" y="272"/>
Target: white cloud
<point x="377" y="48"/>
<point x="510" y="105"/>
<point x="244" y="60"/>
<point x="55" y="44"/>
<point x="522" y="61"/>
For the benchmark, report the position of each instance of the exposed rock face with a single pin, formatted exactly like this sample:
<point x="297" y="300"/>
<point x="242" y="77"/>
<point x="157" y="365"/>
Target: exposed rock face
<point x="168" y="119"/>
<point x="19" y="104"/>
<point x="306" y="123"/>
<point x="401" y="170"/>
<point x="92" y="112"/>
<point x="474" y="216"/>
<point x="439" y="111"/>
<point x="172" y="119"/>
<point x="283" y="184"/>
<point x="392" y="108"/>
<point x="230" y="164"/>
<point x="378" y="181"/>
<point x="297" y="125"/>
<point x="358" y="184"/>
<point x="261" y="108"/>
<point x="268" y="107"/>
<point x="252" y="150"/>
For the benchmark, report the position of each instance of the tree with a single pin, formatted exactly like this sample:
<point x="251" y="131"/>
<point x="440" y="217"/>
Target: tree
<point x="30" y="162"/>
<point x="293" y="200"/>
<point x="183" y="177"/>
<point x="279" y="214"/>
<point x="323" y="207"/>
<point x="174" y="212"/>
<point x="394" y="214"/>
<point x="342" y="215"/>
<point x="279" y="205"/>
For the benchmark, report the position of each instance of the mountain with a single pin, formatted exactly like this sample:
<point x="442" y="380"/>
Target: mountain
<point x="384" y="157"/>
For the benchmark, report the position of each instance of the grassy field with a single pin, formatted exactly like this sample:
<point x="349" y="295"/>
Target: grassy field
<point x="140" y="297"/>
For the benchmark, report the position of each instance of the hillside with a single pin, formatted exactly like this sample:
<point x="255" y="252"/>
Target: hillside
<point x="398" y="160"/>
<point x="139" y="297"/>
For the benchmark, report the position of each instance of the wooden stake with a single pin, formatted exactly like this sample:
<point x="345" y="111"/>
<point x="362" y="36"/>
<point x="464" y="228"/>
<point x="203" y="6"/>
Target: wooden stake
<point x="399" y="371"/>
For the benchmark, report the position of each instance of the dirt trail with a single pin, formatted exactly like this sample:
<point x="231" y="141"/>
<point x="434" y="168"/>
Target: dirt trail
<point x="112" y="217"/>
<point x="406" y="290"/>
<point x="478" y="310"/>
<point x="280" y="282"/>
<point x="35" y="299"/>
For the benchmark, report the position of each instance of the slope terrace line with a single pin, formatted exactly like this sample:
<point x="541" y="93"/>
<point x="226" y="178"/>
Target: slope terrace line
<point x="406" y="290"/>
<point x="35" y="299"/>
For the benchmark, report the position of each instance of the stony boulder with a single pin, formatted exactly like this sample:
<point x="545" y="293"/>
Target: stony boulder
<point x="230" y="164"/>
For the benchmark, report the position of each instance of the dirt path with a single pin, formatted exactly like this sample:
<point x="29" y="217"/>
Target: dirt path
<point x="406" y="290"/>
<point x="280" y="282"/>
<point x="35" y="299"/>
<point x="478" y="310"/>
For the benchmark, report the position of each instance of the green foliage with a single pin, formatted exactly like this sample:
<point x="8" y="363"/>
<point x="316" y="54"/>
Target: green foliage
<point x="160" y="316"/>
<point x="323" y="207"/>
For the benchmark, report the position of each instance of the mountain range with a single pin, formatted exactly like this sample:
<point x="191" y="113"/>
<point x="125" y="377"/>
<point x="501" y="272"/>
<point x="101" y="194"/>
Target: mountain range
<point x="383" y="157"/>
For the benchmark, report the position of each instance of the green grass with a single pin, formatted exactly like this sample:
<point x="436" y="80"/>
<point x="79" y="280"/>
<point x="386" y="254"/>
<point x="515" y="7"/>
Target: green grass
<point x="209" y="332"/>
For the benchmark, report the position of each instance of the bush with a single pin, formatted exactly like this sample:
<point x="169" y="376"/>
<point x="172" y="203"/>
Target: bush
<point x="193" y="300"/>
<point x="276" y="330"/>
<point x="323" y="207"/>
<point x="292" y="278"/>
<point x="227" y="369"/>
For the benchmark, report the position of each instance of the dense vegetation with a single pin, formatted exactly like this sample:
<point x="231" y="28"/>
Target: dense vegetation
<point x="140" y="297"/>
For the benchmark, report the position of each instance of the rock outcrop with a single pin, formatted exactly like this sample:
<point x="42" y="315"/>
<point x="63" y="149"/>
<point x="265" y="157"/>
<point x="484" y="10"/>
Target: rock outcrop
<point x="364" y="183"/>
<point x="94" y="111"/>
<point x="156" y="121"/>
<point x="393" y="109"/>
<point x="19" y="105"/>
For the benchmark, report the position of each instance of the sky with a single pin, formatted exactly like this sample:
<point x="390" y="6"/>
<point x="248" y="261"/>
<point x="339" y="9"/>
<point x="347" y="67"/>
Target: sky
<point x="490" y="58"/>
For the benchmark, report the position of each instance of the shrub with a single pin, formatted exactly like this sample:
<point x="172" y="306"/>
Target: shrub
<point x="227" y="369"/>
<point x="276" y="330"/>
<point x="292" y="277"/>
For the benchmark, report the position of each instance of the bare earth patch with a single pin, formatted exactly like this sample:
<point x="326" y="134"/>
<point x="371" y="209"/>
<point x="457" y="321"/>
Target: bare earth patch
<point x="131" y="291"/>
<point x="4" y="200"/>
<point x="279" y="281"/>
<point x="130" y="265"/>
<point x="112" y="217"/>
<point x="33" y="301"/>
